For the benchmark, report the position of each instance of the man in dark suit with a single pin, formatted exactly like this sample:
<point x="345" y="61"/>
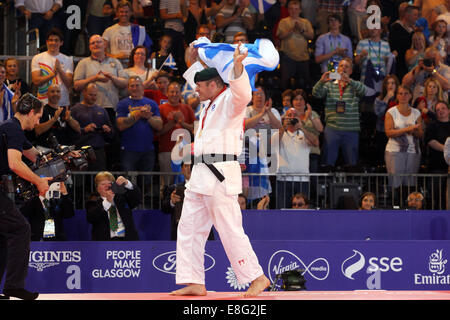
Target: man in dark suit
<point x="46" y="215"/>
<point x="110" y="210"/>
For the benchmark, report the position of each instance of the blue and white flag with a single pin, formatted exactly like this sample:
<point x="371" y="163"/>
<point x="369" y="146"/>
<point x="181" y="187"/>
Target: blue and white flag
<point x="186" y="91"/>
<point x="373" y="81"/>
<point x="140" y="37"/>
<point x="262" y="5"/>
<point x="262" y="56"/>
<point x="170" y="62"/>
<point x="6" y="105"/>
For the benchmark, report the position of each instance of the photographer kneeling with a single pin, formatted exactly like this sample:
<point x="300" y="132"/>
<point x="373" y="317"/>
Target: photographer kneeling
<point x="14" y="228"/>
<point x="110" y="209"/>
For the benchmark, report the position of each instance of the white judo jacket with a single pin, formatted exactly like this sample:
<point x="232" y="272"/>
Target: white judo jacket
<point x="222" y="132"/>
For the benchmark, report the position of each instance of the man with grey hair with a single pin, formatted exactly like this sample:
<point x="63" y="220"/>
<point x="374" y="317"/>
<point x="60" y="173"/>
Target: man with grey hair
<point x="107" y="73"/>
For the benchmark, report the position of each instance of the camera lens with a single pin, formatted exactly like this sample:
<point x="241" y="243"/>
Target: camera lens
<point x="293" y="121"/>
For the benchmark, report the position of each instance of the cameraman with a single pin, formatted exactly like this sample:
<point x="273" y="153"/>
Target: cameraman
<point x="14" y="228"/>
<point x="109" y="210"/>
<point x="430" y="66"/>
<point x="293" y="157"/>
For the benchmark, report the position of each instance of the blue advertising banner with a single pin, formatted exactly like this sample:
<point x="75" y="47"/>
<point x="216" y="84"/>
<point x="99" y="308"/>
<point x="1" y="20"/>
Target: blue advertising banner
<point x="298" y="225"/>
<point x="149" y="266"/>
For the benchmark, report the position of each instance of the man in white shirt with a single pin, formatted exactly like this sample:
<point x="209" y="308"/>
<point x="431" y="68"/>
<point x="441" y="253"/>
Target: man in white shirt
<point x="52" y="67"/>
<point x="211" y="196"/>
<point x="121" y="37"/>
<point x="293" y="157"/>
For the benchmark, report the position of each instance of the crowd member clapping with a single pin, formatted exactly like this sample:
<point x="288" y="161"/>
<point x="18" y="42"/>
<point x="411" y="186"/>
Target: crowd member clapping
<point x="12" y="76"/>
<point x="387" y="99"/>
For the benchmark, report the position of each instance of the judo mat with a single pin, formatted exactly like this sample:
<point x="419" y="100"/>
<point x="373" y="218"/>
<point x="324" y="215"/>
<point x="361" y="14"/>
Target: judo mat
<point x="266" y="295"/>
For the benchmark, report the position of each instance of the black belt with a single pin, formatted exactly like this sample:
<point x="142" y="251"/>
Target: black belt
<point x="209" y="159"/>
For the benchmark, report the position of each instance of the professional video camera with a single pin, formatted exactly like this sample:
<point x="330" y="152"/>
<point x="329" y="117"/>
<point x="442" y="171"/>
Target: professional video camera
<point x="56" y="162"/>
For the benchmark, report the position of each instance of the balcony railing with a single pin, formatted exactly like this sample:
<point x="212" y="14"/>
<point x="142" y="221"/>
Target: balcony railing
<point x="323" y="189"/>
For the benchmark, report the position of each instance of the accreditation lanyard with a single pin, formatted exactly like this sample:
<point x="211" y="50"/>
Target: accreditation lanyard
<point x="341" y="90"/>
<point x="379" y="52"/>
<point x="332" y="44"/>
<point x="207" y="108"/>
<point x="340" y="104"/>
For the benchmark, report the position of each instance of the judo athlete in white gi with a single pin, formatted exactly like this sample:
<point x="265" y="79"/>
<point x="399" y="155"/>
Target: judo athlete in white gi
<point x="209" y="199"/>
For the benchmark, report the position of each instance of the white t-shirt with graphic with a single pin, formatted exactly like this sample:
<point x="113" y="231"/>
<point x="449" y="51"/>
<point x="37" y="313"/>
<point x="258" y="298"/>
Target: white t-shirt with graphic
<point x="119" y="39"/>
<point x="45" y="63"/>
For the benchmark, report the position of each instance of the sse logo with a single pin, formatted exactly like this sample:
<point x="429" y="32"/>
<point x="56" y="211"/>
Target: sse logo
<point x="357" y="262"/>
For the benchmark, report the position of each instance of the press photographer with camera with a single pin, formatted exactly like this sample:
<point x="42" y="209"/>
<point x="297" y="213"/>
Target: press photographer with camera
<point x="46" y="215"/>
<point x="173" y="197"/>
<point x="430" y="66"/>
<point x="293" y="157"/>
<point x="110" y="209"/>
<point x="14" y="228"/>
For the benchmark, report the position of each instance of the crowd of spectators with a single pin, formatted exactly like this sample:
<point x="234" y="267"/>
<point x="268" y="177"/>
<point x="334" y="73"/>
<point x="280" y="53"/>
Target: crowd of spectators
<point x="346" y="95"/>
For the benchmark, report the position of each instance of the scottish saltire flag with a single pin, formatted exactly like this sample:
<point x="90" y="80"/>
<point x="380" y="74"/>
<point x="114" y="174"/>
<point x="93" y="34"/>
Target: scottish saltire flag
<point x="262" y="56"/>
<point x="186" y="91"/>
<point x="170" y="62"/>
<point x="140" y="37"/>
<point x="373" y="81"/>
<point x="262" y="5"/>
<point x="6" y="106"/>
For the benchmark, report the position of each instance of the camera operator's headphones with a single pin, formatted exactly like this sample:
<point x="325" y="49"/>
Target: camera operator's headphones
<point x="27" y="102"/>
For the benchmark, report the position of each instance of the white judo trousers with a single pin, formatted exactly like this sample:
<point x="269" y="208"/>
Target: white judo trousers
<point x="200" y="212"/>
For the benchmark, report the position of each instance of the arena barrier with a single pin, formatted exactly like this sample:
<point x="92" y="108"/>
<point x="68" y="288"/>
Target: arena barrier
<point x="323" y="188"/>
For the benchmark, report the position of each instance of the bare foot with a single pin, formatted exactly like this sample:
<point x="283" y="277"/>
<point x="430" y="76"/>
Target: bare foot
<point x="257" y="286"/>
<point x="191" y="289"/>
